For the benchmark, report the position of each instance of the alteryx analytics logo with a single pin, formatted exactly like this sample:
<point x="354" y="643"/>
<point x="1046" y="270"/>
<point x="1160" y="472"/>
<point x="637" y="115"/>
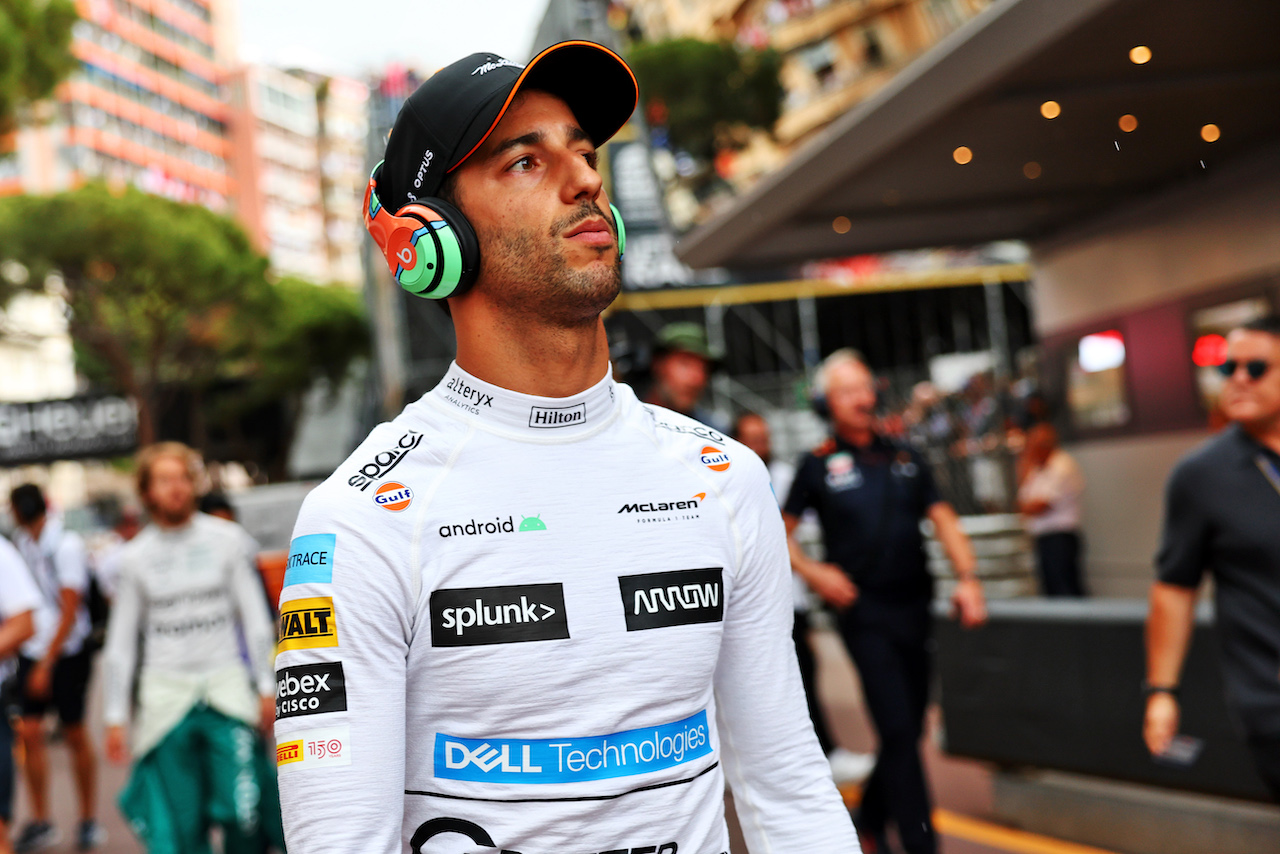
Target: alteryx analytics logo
<point x="573" y="760"/>
<point x="311" y="559"/>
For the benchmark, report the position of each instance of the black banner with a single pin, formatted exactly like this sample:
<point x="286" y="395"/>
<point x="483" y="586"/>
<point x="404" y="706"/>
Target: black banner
<point x="49" y="430"/>
<point x="660" y="599"/>
<point x="477" y="616"/>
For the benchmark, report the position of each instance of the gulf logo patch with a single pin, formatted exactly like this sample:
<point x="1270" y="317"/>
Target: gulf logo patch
<point x="393" y="496"/>
<point x="714" y="458"/>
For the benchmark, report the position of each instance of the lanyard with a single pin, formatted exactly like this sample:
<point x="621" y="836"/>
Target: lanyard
<point x="1269" y="471"/>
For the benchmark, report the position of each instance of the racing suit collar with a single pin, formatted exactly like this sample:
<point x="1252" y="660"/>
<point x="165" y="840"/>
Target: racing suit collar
<point x="549" y="417"/>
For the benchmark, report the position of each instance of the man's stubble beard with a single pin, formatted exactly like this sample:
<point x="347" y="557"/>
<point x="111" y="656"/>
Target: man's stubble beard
<point x="528" y="275"/>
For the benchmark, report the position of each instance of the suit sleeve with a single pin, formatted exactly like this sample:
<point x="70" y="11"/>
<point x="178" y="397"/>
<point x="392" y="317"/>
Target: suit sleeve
<point x="255" y="619"/>
<point x="121" y="650"/>
<point x="1184" y="543"/>
<point x="341" y="766"/>
<point x="781" y="782"/>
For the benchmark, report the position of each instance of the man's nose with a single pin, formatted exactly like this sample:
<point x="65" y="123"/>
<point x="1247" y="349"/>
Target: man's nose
<point x="583" y="181"/>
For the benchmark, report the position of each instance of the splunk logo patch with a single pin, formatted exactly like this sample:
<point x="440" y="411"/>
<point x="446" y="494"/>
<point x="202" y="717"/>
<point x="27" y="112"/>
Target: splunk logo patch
<point x="310" y="689"/>
<point x="574" y="759"/>
<point x="477" y="616"/>
<point x="557" y="416"/>
<point x="308" y="624"/>
<point x="657" y="600"/>
<point x="384" y="461"/>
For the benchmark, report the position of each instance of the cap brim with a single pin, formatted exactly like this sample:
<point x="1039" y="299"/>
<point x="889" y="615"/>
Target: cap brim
<point x="593" y="81"/>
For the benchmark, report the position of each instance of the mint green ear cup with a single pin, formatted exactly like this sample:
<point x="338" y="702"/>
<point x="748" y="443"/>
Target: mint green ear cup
<point x="622" y="230"/>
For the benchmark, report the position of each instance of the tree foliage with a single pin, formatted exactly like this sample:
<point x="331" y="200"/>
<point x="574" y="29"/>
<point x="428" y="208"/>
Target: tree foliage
<point x="167" y="296"/>
<point x="701" y="90"/>
<point x="35" y="52"/>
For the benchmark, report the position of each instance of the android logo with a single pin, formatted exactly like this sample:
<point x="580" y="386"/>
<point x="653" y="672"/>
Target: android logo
<point x="532" y="523"/>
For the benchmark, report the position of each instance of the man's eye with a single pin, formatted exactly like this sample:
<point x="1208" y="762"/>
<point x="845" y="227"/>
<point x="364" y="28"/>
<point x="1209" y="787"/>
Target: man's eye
<point x="524" y="164"/>
<point x="592" y="158"/>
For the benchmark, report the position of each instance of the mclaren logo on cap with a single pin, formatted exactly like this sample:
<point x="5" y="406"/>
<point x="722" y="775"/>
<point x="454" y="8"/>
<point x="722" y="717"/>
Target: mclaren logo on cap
<point x="493" y="64"/>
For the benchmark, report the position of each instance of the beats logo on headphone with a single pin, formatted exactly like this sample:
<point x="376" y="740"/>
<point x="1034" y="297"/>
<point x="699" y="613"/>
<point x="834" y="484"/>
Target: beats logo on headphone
<point x="430" y="247"/>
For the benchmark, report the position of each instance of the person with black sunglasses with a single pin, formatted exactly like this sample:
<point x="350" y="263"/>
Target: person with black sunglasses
<point x="1222" y="513"/>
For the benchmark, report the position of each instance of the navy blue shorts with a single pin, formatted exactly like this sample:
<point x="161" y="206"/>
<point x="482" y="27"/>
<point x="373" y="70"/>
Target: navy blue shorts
<point x="70" y="684"/>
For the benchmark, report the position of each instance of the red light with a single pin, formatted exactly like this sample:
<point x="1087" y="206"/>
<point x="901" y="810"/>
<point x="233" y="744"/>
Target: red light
<point x="1210" y="350"/>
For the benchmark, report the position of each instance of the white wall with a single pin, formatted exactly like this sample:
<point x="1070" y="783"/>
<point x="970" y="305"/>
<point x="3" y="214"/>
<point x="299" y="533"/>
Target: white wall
<point x="1211" y="234"/>
<point x="1220" y="231"/>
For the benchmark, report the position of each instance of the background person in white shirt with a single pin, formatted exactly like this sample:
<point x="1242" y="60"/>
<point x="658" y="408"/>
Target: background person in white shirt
<point x="186" y="588"/>
<point x="19" y="600"/>
<point x="54" y="667"/>
<point x="1051" y="486"/>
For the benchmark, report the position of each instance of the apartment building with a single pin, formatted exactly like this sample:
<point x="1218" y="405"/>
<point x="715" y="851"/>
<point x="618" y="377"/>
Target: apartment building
<point x="144" y="107"/>
<point x="835" y="53"/>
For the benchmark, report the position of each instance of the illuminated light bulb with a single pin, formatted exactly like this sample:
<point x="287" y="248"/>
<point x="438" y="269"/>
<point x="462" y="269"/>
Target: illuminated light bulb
<point x="1032" y="170"/>
<point x="1128" y="123"/>
<point x="962" y="155"/>
<point x="1210" y="133"/>
<point x="841" y="225"/>
<point x="1050" y="109"/>
<point x="1140" y="55"/>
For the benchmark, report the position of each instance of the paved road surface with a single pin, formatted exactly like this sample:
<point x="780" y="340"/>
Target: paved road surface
<point x="962" y="789"/>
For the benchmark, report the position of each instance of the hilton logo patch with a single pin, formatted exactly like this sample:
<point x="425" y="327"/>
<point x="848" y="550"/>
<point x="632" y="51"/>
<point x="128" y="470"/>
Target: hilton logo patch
<point x="557" y="416"/>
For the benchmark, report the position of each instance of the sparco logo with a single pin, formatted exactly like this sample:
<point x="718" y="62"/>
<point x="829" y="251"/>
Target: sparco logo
<point x="477" y="616"/>
<point x="493" y="65"/>
<point x="423" y="167"/>
<point x="660" y="599"/>
<point x="310" y="689"/>
<point x="552" y="416"/>
<point x="695" y="429"/>
<point x="466" y="397"/>
<point x="384" y="461"/>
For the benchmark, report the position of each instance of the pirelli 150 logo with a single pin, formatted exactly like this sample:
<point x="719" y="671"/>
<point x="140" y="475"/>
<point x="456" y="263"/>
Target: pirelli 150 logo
<point x="308" y="624"/>
<point x="476" y="616"/>
<point x="657" y="600"/>
<point x="384" y="461"/>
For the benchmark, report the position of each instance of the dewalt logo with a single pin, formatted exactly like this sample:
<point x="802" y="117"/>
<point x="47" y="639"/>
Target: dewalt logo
<point x="308" y="623"/>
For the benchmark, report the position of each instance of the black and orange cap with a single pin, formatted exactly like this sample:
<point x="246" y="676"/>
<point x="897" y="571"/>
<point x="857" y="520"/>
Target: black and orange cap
<point x="454" y="111"/>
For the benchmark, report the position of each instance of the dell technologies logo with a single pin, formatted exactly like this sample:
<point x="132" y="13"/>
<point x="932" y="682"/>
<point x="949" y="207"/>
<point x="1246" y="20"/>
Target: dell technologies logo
<point x="557" y="416"/>
<point x="660" y="599"/>
<point x="479" y="616"/>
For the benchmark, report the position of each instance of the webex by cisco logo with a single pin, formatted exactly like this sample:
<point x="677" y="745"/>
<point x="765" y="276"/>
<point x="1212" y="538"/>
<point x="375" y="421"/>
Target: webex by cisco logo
<point x="657" y="600"/>
<point x="477" y="616"/>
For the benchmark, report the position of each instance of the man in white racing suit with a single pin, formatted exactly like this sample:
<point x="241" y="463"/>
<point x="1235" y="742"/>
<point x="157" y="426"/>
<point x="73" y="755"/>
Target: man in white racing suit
<point x="532" y="615"/>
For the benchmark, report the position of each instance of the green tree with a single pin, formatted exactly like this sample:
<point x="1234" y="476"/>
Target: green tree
<point x="156" y="290"/>
<point x="35" y="53"/>
<point x="701" y="91"/>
